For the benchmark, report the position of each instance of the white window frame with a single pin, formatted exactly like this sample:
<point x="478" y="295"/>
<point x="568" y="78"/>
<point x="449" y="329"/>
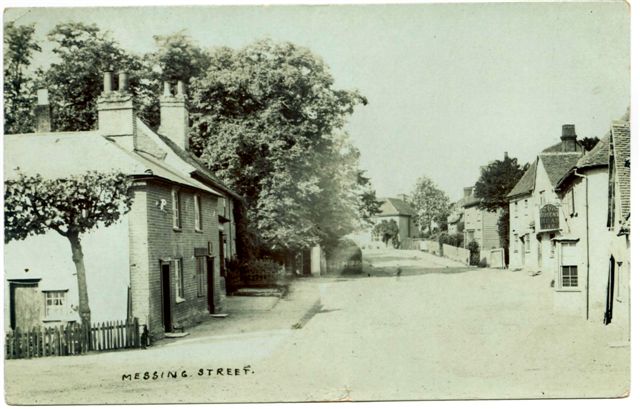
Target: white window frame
<point x="54" y="304"/>
<point x="515" y="209"/>
<point x="516" y="242"/>
<point x="178" y="269"/>
<point x="176" y="208"/>
<point x="197" y="208"/>
<point x="527" y="243"/>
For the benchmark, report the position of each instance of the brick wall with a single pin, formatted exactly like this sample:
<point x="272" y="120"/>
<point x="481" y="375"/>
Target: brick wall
<point x="164" y="243"/>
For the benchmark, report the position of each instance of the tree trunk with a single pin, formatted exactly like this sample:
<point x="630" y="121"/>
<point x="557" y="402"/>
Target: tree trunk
<point x="78" y="260"/>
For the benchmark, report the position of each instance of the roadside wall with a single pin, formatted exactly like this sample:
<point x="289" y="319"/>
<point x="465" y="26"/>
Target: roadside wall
<point x="456" y="253"/>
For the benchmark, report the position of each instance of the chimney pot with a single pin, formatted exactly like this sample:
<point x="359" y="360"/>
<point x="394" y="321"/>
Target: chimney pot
<point x="506" y="155"/>
<point x="123" y="81"/>
<point x="569" y="138"/>
<point x="568" y="130"/>
<point x="167" y="89"/>
<point x="108" y="82"/>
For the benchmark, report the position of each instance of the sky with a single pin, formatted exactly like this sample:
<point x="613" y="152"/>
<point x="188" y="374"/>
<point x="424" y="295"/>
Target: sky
<point x="450" y="87"/>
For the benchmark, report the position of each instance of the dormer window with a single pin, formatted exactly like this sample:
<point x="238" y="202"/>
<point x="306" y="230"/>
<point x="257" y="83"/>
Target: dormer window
<point x="175" y="205"/>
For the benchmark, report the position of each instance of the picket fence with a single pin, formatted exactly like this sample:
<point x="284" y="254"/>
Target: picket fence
<point x="74" y="339"/>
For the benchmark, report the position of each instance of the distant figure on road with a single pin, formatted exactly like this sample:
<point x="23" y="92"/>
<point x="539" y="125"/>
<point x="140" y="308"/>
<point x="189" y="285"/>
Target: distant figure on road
<point x="398" y="272"/>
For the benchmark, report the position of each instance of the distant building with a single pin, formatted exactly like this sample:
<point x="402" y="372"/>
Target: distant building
<point x="480" y="225"/>
<point x="534" y="206"/>
<point x="400" y="211"/>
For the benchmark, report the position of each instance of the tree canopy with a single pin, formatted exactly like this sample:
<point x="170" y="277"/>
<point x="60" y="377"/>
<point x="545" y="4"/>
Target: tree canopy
<point x="429" y="202"/>
<point x="496" y="181"/>
<point x="75" y="80"/>
<point x="267" y="120"/>
<point x="19" y="95"/>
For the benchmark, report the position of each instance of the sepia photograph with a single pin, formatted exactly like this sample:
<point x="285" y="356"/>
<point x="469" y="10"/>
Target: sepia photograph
<point x="316" y="202"/>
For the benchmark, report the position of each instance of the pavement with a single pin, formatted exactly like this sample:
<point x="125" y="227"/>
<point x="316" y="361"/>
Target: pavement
<point x="441" y="331"/>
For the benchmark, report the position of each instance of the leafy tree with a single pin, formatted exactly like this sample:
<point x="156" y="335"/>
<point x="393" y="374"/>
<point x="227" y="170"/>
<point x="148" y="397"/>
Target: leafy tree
<point x="496" y="181"/>
<point x="588" y="143"/>
<point x="75" y="81"/>
<point x="176" y="57"/>
<point x="429" y="202"/>
<point x="387" y="230"/>
<point x="267" y="121"/>
<point x="19" y="47"/>
<point x="70" y="206"/>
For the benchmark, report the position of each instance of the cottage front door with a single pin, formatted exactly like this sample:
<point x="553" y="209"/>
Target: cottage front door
<point x="25" y="305"/>
<point x="165" y="278"/>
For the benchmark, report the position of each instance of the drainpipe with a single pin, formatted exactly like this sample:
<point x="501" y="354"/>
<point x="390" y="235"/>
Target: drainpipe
<point x="586" y="181"/>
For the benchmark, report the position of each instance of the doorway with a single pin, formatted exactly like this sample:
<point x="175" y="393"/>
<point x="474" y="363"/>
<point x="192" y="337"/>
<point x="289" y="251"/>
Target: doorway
<point x="210" y="285"/>
<point x="611" y="284"/>
<point x="165" y="277"/>
<point x="25" y="304"/>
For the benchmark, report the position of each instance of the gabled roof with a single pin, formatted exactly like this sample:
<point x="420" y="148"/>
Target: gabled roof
<point x="63" y="154"/>
<point x="596" y="157"/>
<point x="527" y="182"/>
<point x="395" y="207"/>
<point x="557" y="165"/>
<point x="621" y="137"/>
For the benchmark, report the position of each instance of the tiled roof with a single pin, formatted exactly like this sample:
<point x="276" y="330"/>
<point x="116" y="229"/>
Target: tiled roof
<point x="621" y="153"/>
<point x="202" y="170"/>
<point x="79" y="152"/>
<point x="557" y="165"/>
<point x="393" y="207"/>
<point x="598" y="156"/>
<point x="526" y="183"/>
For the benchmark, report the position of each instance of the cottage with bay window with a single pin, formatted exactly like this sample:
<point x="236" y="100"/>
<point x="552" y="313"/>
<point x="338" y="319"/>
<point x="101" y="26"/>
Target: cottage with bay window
<point x="163" y="262"/>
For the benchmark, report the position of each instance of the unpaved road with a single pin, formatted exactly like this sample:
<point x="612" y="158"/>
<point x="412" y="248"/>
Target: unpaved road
<point x="438" y="331"/>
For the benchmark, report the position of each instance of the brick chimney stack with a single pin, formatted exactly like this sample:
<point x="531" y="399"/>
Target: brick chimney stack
<point x="569" y="138"/>
<point x="174" y="117"/>
<point x="467" y="192"/>
<point x="43" y="112"/>
<point x="116" y="116"/>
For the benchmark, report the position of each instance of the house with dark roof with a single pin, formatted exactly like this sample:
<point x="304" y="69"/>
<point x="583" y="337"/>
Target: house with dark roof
<point x="400" y="211"/>
<point x="163" y="262"/>
<point x="534" y="206"/>
<point x="480" y="225"/>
